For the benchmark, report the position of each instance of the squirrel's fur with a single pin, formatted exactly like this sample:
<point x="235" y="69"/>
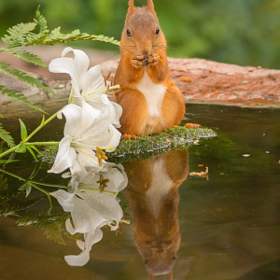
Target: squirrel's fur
<point x="150" y="100"/>
<point x="152" y="196"/>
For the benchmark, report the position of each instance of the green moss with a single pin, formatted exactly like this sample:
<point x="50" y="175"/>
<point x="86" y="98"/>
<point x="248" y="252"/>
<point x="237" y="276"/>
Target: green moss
<point x="147" y="145"/>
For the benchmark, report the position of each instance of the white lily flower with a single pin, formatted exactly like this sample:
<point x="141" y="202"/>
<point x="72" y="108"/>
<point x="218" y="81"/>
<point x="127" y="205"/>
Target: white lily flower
<point x="88" y="84"/>
<point x="113" y="175"/>
<point x="91" y="210"/>
<point x="83" y="258"/>
<point x="82" y="134"/>
<point x="84" y="81"/>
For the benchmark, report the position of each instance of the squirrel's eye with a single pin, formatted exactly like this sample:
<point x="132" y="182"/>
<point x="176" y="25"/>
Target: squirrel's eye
<point x="157" y="31"/>
<point x="128" y="33"/>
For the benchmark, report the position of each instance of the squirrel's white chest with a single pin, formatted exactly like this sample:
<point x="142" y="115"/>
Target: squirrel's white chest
<point x="154" y="94"/>
<point x="159" y="188"/>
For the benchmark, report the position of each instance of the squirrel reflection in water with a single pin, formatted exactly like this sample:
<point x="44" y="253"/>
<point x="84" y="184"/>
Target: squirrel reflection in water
<point x="152" y="195"/>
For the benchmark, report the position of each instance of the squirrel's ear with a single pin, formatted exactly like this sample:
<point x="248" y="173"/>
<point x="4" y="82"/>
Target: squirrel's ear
<point x="151" y="7"/>
<point x="131" y="8"/>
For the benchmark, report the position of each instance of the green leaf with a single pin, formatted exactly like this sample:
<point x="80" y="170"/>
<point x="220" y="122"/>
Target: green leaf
<point x="17" y="33"/>
<point x="57" y="37"/>
<point x="29" y="57"/>
<point x="41" y="21"/>
<point x="22" y="76"/>
<point x="19" y="96"/>
<point x="1" y="116"/>
<point x="43" y="121"/>
<point x="23" y="130"/>
<point x="31" y="152"/>
<point x="23" y="35"/>
<point x="27" y="188"/>
<point x="22" y="205"/>
<point x="35" y="149"/>
<point x="21" y="148"/>
<point x="5" y="135"/>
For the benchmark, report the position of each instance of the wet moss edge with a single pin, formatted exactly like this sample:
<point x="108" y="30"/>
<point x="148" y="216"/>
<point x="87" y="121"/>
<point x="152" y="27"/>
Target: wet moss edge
<point x="147" y="145"/>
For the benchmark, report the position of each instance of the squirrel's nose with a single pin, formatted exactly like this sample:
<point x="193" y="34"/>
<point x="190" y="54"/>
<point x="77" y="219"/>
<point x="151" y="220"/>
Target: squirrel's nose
<point x="145" y="48"/>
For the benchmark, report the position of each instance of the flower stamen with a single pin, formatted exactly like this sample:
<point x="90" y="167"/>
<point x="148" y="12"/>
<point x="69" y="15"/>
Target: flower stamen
<point x="102" y="183"/>
<point x="100" y="155"/>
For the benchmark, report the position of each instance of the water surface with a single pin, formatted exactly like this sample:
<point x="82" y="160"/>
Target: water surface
<point x="221" y="226"/>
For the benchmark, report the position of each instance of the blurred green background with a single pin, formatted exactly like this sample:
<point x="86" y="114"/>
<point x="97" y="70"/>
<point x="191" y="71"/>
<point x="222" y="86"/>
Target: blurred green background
<point x="243" y="32"/>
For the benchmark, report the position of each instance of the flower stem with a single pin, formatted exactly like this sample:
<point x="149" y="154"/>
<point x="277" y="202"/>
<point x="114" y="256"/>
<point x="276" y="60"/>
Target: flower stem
<point x="9" y="151"/>
<point x="43" y="191"/>
<point x="54" y="143"/>
<point x="89" y="96"/>
<point x="32" y="181"/>
<point x="40" y="126"/>
<point x="43" y="123"/>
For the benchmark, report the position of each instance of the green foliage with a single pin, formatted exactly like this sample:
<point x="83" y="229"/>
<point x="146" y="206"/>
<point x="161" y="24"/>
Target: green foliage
<point x="27" y="188"/>
<point x="28" y="34"/>
<point x="12" y="202"/>
<point x="226" y="31"/>
<point x="18" y="34"/>
<point x="19" y="96"/>
<point x="23" y="130"/>
<point x="25" y="55"/>
<point x="5" y="135"/>
<point x="23" y="34"/>
<point x="53" y="227"/>
<point x="22" y="76"/>
<point x="15" y="206"/>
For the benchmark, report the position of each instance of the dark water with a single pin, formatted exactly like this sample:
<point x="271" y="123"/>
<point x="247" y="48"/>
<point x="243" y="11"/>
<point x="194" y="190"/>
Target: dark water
<point x="221" y="226"/>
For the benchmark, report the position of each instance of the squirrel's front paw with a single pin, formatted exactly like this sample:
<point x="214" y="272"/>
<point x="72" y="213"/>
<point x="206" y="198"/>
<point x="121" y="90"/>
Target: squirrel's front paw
<point x="153" y="59"/>
<point x="144" y="60"/>
<point x="139" y="61"/>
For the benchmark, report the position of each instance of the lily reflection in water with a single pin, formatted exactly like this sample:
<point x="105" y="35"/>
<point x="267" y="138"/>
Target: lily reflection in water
<point x="152" y="195"/>
<point x="93" y="204"/>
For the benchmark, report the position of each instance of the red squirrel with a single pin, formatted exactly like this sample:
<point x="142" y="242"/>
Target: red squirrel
<point x="150" y="100"/>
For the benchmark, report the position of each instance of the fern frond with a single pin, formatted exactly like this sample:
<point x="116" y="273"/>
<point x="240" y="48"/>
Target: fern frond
<point x="41" y="21"/>
<point x="3" y="185"/>
<point x="7" y="208"/>
<point x="22" y="76"/>
<point x="5" y="135"/>
<point x="27" y="56"/>
<point x="57" y="37"/>
<point x="83" y="37"/>
<point x="17" y="33"/>
<point x="8" y="194"/>
<point x="19" y="96"/>
<point x="23" y="34"/>
<point x="52" y="226"/>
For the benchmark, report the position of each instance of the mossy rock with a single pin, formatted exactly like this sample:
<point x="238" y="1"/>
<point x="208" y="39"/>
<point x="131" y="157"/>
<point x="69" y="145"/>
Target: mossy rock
<point x="147" y="145"/>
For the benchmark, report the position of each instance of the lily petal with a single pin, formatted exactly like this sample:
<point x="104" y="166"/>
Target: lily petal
<point x="65" y="199"/>
<point x="65" y="157"/>
<point x="72" y="114"/>
<point x="66" y="65"/>
<point x="81" y="61"/>
<point x="83" y="258"/>
<point x="92" y="81"/>
<point x="89" y="114"/>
